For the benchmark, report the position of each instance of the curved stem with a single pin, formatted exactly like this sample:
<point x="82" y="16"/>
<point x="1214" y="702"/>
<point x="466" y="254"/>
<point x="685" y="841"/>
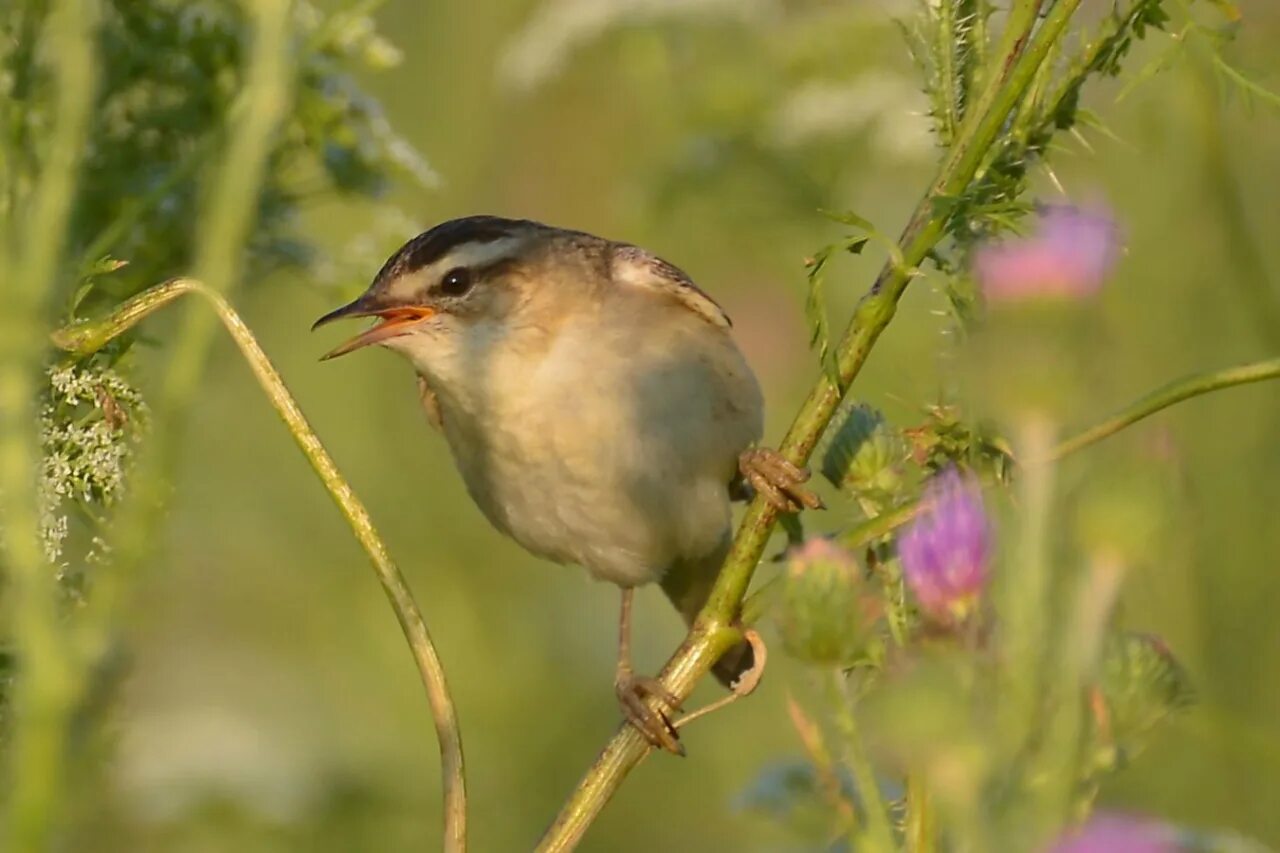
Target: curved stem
<point x="1165" y="396"/>
<point x="1020" y="58"/>
<point x="85" y="338"/>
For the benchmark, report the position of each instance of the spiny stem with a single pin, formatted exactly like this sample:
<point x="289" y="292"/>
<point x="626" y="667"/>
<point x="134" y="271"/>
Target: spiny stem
<point x="713" y="631"/>
<point x="85" y="338"/>
<point x="946" y="51"/>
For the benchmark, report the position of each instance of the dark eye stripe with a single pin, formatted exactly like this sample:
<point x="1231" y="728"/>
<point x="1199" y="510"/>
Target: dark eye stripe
<point x="430" y="246"/>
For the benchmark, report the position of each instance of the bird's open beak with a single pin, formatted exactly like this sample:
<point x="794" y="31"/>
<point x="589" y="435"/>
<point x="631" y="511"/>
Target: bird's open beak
<point x="395" y="321"/>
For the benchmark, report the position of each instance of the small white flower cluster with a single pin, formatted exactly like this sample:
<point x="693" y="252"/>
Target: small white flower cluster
<point x="89" y="424"/>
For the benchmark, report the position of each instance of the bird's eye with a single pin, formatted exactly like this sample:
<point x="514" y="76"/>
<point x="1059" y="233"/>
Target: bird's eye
<point x="456" y="282"/>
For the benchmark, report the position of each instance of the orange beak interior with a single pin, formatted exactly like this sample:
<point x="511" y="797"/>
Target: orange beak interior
<point x="394" y="322"/>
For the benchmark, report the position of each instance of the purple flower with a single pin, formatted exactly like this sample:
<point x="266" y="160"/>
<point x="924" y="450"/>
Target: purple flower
<point x="946" y="549"/>
<point x="1068" y="257"/>
<point x="1115" y="833"/>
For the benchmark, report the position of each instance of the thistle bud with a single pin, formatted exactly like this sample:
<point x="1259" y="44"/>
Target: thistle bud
<point x="864" y="453"/>
<point x="1140" y="684"/>
<point x="827" y="614"/>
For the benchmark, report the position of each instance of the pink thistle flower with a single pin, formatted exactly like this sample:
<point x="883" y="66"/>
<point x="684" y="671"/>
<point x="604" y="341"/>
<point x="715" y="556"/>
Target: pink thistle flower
<point x="1068" y="257"/>
<point x="946" y="551"/>
<point x="1114" y="833"/>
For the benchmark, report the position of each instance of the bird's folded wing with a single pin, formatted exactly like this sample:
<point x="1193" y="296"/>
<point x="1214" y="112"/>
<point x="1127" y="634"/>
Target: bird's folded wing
<point x="636" y="267"/>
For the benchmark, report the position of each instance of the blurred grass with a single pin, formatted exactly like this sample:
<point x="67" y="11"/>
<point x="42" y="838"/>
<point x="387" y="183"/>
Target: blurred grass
<point x="263" y="718"/>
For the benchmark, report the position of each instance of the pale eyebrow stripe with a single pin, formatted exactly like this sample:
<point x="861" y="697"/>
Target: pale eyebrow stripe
<point x="476" y="255"/>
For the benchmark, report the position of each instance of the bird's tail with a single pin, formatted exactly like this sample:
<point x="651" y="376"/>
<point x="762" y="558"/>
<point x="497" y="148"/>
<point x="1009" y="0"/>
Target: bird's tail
<point x="688" y="585"/>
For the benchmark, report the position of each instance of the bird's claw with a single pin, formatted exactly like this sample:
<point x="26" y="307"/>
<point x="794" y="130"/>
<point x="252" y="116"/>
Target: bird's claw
<point x="777" y="479"/>
<point x="654" y="724"/>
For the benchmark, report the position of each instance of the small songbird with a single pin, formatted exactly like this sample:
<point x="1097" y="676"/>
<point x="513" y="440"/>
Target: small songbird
<point x="595" y="404"/>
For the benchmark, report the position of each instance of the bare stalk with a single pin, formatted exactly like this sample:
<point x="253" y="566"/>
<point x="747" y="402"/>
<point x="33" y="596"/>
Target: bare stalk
<point x="85" y="338"/>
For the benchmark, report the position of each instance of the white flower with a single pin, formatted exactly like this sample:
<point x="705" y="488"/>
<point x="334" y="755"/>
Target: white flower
<point x="88" y="429"/>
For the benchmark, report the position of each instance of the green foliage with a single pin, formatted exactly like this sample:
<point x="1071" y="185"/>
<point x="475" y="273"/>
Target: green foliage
<point x="171" y="75"/>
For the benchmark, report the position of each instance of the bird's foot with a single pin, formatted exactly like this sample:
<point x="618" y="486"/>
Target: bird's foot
<point x="653" y="723"/>
<point x="772" y="475"/>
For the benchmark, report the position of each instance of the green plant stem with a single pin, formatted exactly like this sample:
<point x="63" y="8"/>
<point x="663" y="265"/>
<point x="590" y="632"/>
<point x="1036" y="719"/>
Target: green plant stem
<point x="86" y="338"/>
<point x="713" y="632"/>
<point x="34" y="239"/>
<point x="919" y="830"/>
<point x="1166" y="396"/>
<point x="1023" y="597"/>
<point x="877" y="829"/>
<point x="947" y="50"/>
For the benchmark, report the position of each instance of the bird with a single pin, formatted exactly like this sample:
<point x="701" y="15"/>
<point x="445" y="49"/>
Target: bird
<point x="596" y="406"/>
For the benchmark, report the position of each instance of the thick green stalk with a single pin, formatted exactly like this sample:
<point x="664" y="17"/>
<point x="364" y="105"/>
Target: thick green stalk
<point x="713" y="632"/>
<point x="34" y="239"/>
<point x="86" y="338"/>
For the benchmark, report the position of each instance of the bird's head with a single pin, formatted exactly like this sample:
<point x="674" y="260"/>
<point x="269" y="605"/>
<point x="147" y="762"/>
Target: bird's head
<point x="468" y="279"/>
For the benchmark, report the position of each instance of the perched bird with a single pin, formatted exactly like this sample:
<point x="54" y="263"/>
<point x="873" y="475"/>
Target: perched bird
<point x="595" y="404"/>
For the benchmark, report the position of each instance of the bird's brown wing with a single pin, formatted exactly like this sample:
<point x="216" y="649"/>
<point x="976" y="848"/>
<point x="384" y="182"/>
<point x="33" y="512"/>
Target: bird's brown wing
<point x="636" y="267"/>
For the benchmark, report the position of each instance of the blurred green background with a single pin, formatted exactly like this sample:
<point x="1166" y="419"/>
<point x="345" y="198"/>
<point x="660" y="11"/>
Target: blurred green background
<point x="271" y="703"/>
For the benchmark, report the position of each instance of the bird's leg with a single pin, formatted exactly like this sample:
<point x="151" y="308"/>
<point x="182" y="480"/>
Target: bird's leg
<point x="767" y="472"/>
<point x="632" y="691"/>
<point x="743" y="687"/>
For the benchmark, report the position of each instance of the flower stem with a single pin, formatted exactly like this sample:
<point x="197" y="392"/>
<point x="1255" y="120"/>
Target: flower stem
<point x="1024" y="47"/>
<point x="919" y="829"/>
<point x="1165" y="396"/>
<point x="875" y="812"/>
<point x="85" y="338"/>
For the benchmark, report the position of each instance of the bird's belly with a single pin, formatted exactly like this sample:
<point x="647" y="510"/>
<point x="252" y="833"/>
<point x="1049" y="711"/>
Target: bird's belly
<point x="624" y="513"/>
<point x="612" y="449"/>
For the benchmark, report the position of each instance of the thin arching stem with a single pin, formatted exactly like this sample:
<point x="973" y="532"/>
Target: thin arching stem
<point x="1165" y="396"/>
<point x="85" y="338"/>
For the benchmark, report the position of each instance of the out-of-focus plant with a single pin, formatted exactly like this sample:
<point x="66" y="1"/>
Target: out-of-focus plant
<point x="169" y="135"/>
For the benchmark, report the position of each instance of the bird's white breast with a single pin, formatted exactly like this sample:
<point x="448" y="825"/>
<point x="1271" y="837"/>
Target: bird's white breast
<point x="608" y="442"/>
